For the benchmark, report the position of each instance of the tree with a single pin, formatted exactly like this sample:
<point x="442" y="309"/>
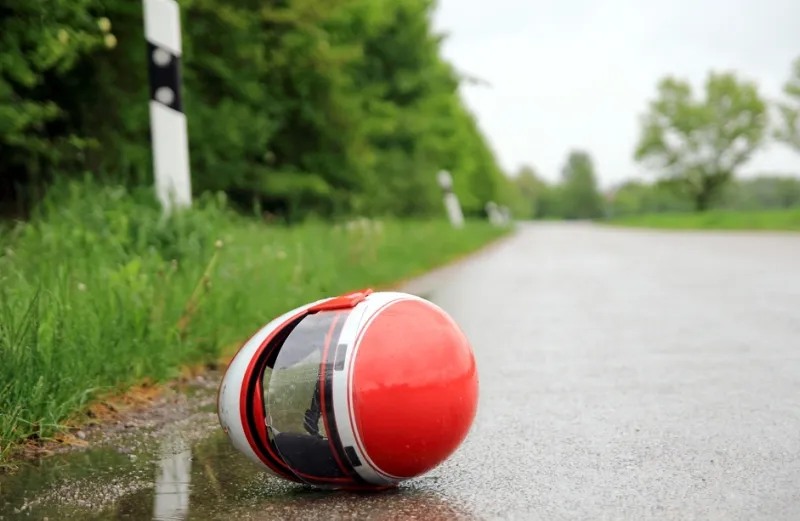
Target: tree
<point x="700" y="143"/>
<point x="531" y="188"/>
<point x="295" y="107"/>
<point x="636" y="197"/>
<point x="40" y="42"/>
<point x="580" y="196"/>
<point x="789" y="127"/>
<point x="528" y="182"/>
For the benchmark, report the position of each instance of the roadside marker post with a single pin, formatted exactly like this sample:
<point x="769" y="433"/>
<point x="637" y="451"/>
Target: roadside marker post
<point x="451" y="203"/>
<point x="168" y="129"/>
<point x="493" y="213"/>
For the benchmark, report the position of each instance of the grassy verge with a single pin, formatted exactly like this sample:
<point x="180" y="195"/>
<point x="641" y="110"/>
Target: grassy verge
<point x="98" y="292"/>
<point x="788" y="220"/>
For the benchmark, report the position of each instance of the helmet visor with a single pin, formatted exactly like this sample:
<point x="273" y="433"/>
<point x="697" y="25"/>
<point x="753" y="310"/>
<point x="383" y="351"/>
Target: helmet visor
<point x="299" y="411"/>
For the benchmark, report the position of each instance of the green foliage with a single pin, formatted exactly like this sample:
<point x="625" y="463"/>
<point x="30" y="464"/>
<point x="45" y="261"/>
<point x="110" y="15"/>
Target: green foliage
<point x="530" y="189"/>
<point x="782" y="220"/>
<point x="579" y="194"/>
<point x="700" y="143"/>
<point x="98" y="291"/>
<point x="575" y="196"/>
<point x="294" y="107"/>
<point x="763" y="193"/>
<point x="41" y="42"/>
<point x="637" y="197"/>
<point x="789" y="127"/>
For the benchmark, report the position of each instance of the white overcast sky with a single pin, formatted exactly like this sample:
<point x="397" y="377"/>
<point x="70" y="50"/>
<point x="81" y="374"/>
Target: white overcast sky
<point x="577" y="73"/>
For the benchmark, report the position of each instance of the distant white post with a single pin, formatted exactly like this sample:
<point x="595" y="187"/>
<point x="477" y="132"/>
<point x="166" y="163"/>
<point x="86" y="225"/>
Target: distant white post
<point x="162" y="25"/>
<point x="493" y="213"/>
<point x="450" y="199"/>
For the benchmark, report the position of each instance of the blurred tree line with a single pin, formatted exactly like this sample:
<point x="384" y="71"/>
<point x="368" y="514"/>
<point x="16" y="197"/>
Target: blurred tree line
<point x="765" y="192"/>
<point x="293" y="106"/>
<point x="695" y="146"/>
<point x="575" y="196"/>
<point x="578" y="197"/>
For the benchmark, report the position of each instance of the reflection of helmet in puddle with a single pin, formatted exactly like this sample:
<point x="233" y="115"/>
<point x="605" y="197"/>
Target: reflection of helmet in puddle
<point x="358" y="391"/>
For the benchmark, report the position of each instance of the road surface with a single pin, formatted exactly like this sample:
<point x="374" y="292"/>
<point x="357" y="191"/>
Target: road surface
<point x="625" y="374"/>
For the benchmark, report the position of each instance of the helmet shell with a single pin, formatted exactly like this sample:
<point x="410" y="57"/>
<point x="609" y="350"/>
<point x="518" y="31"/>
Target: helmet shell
<point x="393" y="379"/>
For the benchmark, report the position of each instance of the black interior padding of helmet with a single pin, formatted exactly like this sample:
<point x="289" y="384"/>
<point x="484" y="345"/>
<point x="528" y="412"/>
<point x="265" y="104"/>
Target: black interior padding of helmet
<point x="309" y="455"/>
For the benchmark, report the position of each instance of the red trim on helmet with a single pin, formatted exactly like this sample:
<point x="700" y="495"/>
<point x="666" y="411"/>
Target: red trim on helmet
<point x="346" y="301"/>
<point x="258" y="405"/>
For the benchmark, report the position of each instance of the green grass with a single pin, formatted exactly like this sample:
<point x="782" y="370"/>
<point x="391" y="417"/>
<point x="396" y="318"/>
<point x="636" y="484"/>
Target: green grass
<point x="786" y="220"/>
<point x="96" y="290"/>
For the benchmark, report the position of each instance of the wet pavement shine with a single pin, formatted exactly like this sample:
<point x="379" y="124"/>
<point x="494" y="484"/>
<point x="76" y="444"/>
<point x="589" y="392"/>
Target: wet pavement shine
<point x="624" y="374"/>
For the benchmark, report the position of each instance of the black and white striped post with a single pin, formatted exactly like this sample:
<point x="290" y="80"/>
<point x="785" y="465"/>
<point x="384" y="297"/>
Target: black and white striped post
<point x="451" y="202"/>
<point x="170" y="142"/>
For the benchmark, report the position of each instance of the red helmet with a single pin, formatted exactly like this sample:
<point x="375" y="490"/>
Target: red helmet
<point x="359" y="391"/>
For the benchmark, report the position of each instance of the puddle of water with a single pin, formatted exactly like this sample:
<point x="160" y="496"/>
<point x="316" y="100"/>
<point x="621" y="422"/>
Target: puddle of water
<point x="172" y="480"/>
<point x="187" y="470"/>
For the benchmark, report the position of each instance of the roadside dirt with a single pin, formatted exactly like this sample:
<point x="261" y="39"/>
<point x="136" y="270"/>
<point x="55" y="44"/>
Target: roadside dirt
<point x="145" y="406"/>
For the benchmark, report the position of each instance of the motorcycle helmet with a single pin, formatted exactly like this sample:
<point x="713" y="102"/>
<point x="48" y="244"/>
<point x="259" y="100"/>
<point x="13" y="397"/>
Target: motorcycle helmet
<point x="359" y="391"/>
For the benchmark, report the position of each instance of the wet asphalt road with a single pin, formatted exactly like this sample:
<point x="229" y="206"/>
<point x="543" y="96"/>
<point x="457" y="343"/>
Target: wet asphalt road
<point x="624" y="374"/>
<point x="632" y="375"/>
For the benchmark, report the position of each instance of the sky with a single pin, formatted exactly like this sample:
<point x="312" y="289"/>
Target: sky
<point x="566" y="74"/>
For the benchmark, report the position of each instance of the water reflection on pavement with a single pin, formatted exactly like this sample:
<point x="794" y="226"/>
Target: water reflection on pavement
<point x="624" y="375"/>
<point x="208" y="482"/>
<point x="173" y="480"/>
